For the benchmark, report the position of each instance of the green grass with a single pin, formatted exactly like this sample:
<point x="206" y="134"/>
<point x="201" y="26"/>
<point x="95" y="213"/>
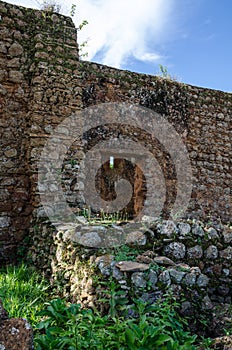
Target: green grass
<point x="23" y="292"/>
<point x="103" y="218"/>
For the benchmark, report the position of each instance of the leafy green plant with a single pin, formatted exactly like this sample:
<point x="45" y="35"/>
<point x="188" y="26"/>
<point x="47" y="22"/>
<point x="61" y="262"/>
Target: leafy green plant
<point x="73" y="10"/>
<point x="83" y="45"/>
<point x="163" y="72"/>
<point x="126" y="253"/>
<point x="206" y="344"/>
<point x="114" y="296"/>
<point x="162" y="316"/>
<point x="70" y="327"/>
<point x="62" y="325"/>
<point x="72" y="162"/>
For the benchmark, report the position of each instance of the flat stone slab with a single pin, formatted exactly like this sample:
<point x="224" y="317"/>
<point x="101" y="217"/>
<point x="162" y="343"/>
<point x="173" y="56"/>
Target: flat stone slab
<point x="163" y="260"/>
<point x="131" y="266"/>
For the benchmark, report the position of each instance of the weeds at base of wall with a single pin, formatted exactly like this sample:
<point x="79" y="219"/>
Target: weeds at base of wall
<point x="152" y="327"/>
<point x="59" y="324"/>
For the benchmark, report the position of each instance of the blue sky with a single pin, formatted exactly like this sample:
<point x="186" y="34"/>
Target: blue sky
<point x="192" y="38"/>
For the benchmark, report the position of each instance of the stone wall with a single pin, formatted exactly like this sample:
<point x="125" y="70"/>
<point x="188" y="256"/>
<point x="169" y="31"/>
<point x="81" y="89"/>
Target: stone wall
<point x="33" y="45"/>
<point x="202" y="117"/>
<point x="43" y="82"/>
<point x="189" y="259"/>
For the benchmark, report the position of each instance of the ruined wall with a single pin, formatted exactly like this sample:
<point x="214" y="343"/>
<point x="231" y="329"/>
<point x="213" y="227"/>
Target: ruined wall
<point x="33" y="44"/>
<point x="202" y="117"/>
<point x="190" y="259"/>
<point x="43" y="82"/>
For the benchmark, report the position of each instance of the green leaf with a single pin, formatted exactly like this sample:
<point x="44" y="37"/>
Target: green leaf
<point x="130" y="337"/>
<point x="163" y="338"/>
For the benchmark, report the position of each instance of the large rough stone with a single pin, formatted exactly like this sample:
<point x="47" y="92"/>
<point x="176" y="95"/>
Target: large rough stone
<point x="196" y="270"/>
<point x="183" y="267"/>
<point x="150" y="220"/>
<point x="4" y="221"/>
<point x="223" y="290"/>
<point x="91" y="239"/>
<point x="163" y="260"/>
<point x="15" y="76"/>
<point x="184" y="229"/>
<point x="137" y="278"/>
<point x="15" y="49"/>
<point x="82" y="220"/>
<point x="152" y="277"/>
<point x="15" y="333"/>
<point x="222" y="343"/>
<point x="11" y="152"/>
<point x="195" y="252"/>
<point x="197" y="230"/>
<point x="3" y="48"/>
<point x="176" y="275"/>
<point x="175" y="250"/>
<point x="206" y="303"/>
<point x="117" y="274"/>
<point x="212" y="233"/>
<point x="186" y="308"/>
<point x="226" y="253"/>
<point x="164" y="278"/>
<point x="189" y="279"/>
<point x="168" y="228"/>
<point x="3" y="75"/>
<point x="211" y="252"/>
<point x="104" y="263"/>
<point x="136" y="238"/>
<point x="3" y="91"/>
<point x="202" y="280"/>
<point x="227" y="234"/>
<point x="144" y="259"/>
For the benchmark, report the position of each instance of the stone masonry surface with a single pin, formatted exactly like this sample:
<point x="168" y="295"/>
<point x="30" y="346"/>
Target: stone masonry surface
<point x="42" y="82"/>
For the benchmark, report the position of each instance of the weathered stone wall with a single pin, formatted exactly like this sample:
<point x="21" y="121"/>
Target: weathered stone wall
<point x="42" y="83"/>
<point x="14" y="205"/>
<point x="190" y="259"/>
<point x="33" y="44"/>
<point x="202" y="117"/>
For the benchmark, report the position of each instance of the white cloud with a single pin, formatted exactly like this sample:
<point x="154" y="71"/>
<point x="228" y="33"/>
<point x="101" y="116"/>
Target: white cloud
<point x="119" y="30"/>
<point x="147" y="56"/>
